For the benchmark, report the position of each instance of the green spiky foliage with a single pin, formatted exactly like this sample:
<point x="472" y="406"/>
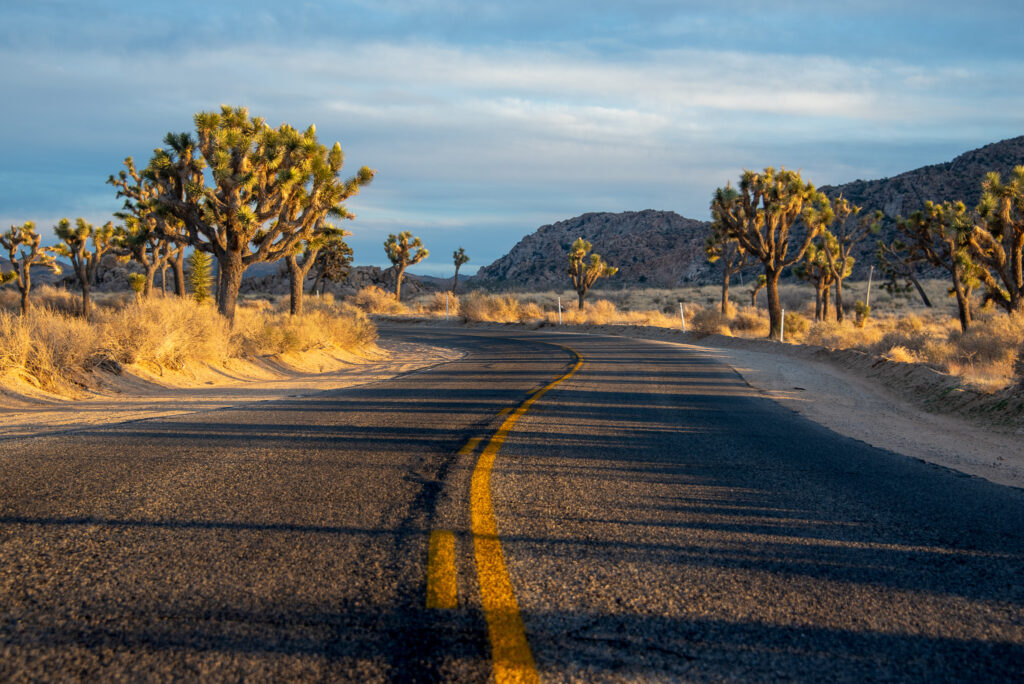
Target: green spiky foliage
<point x="724" y="249"/>
<point x="399" y="251"/>
<point x="756" y="286"/>
<point x="849" y="230"/>
<point x="997" y="241"/>
<point x="940" y="235"/>
<point x="761" y="214"/>
<point x="815" y="268"/>
<point x="150" y="236"/>
<point x="137" y="282"/>
<point x="302" y="260"/>
<point x="22" y="244"/>
<point x="585" y="270"/>
<point x="460" y="257"/>
<point x="199" y="275"/>
<point x="248" y="193"/>
<point x="333" y="262"/>
<point x="75" y="242"/>
<point x="894" y="261"/>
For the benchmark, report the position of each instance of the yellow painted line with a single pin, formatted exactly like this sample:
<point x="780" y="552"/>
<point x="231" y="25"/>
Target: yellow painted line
<point x="442" y="592"/>
<point x="470" y="446"/>
<point x="510" y="651"/>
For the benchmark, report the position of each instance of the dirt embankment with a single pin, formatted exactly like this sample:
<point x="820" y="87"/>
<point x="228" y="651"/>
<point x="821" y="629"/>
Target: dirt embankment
<point x="137" y="392"/>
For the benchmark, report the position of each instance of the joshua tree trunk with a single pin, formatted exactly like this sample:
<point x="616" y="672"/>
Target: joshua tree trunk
<point x="725" y="292"/>
<point x="963" y="301"/>
<point x="818" y="300"/>
<point x="230" y="269"/>
<point x="824" y="302"/>
<point x="399" y="273"/>
<point x="774" y="306"/>
<point x="179" y="272"/>
<point x="26" y="285"/>
<point x="151" y="269"/>
<point x="455" y="283"/>
<point x="86" y="301"/>
<point x="582" y="294"/>
<point x="839" y="300"/>
<point x="295" y="276"/>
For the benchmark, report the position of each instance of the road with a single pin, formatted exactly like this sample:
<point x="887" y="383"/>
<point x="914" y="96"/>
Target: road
<point x="655" y="518"/>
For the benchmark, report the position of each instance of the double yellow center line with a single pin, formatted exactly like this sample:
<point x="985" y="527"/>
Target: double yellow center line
<point x="510" y="651"/>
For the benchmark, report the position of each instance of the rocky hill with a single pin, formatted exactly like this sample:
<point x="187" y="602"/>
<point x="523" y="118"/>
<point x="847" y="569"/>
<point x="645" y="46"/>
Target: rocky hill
<point x="663" y="249"/>
<point x="650" y="248"/>
<point x="959" y="179"/>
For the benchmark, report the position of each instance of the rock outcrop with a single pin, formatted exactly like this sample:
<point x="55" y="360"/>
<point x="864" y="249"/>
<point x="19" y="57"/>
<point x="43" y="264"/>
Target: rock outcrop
<point x="650" y="248"/>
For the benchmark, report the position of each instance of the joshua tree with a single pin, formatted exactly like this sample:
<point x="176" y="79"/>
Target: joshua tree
<point x="726" y="250"/>
<point x="299" y="267"/>
<point x="82" y="260"/>
<point x="398" y="249"/>
<point x="756" y="287"/>
<point x="760" y="216"/>
<point x="23" y="251"/>
<point x="460" y="257"/>
<point x="940" y="235"/>
<point x="895" y="263"/>
<point x="849" y="230"/>
<point x="584" y="272"/>
<point x="199" y="278"/>
<point x="997" y="241"/>
<point x="150" y="236"/>
<point x="815" y="269"/>
<point x="271" y="189"/>
<point x="333" y="262"/>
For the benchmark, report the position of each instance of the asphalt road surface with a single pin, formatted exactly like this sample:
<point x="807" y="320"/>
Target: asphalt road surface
<point x="564" y="506"/>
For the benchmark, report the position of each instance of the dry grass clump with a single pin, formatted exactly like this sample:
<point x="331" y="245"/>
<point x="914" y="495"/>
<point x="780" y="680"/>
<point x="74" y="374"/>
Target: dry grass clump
<point x="845" y="335"/>
<point x="52" y="350"/>
<point x="375" y="300"/>
<point x="46" y="349"/>
<point x="481" y="307"/>
<point x="987" y="354"/>
<point x="42" y="297"/>
<point x="322" y="326"/>
<point x="750" y="322"/>
<point x="439" y="300"/>
<point x="167" y="331"/>
<point x="707" y="320"/>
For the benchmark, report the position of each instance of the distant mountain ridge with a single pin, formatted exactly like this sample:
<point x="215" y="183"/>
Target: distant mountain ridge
<point x="663" y="249"/>
<point x="650" y="248"/>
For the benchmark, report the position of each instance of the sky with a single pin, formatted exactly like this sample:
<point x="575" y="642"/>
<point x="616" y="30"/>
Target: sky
<point x="486" y="120"/>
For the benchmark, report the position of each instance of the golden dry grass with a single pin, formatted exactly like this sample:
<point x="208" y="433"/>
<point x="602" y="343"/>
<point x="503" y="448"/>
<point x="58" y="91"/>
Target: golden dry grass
<point x="375" y="300"/>
<point x="51" y="349"/>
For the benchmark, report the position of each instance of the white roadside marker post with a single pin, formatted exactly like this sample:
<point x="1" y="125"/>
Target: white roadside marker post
<point x="559" y="311"/>
<point x="782" y="328"/>
<point x="867" y="297"/>
<point x="682" y="317"/>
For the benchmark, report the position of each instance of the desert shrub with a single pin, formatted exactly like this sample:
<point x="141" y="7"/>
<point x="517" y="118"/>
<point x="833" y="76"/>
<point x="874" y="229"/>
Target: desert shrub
<point x="600" y="312"/>
<point x="167" y="331"/>
<point x="47" y="348"/>
<point x="479" y="306"/>
<point x="796" y="326"/>
<point x="258" y="333"/>
<point x="750" y="320"/>
<point x="375" y="300"/>
<point x="707" y="321"/>
<point x="436" y="303"/>
<point x="901" y="355"/>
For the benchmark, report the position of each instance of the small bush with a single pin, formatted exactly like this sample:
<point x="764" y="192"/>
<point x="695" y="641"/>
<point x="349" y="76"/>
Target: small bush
<point x="373" y="299"/>
<point x="796" y="326"/>
<point x="438" y="301"/>
<point x="708" y="321"/>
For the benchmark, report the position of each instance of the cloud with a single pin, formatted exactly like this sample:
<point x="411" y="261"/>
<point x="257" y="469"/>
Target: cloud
<point x="493" y="139"/>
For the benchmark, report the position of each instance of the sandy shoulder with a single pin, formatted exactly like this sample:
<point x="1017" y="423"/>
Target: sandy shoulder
<point x="862" y="409"/>
<point x="143" y="392"/>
